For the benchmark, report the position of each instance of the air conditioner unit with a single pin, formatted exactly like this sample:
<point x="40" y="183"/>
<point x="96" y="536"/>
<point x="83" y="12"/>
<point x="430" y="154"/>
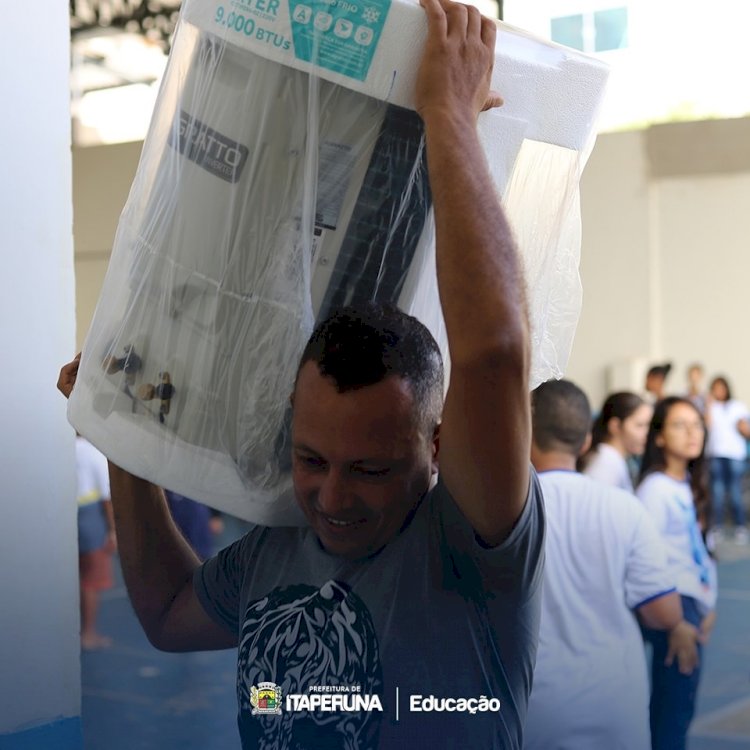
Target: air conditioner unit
<point x="271" y="190"/>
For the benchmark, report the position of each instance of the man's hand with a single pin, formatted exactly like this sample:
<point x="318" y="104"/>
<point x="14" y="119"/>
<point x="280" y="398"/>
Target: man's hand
<point x="456" y="67"/>
<point x="683" y="642"/>
<point x="68" y="375"/>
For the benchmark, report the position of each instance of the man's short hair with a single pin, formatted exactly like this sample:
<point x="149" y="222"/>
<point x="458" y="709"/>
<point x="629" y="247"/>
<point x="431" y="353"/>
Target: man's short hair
<point x="561" y="416"/>
<point x="363" y="345"/>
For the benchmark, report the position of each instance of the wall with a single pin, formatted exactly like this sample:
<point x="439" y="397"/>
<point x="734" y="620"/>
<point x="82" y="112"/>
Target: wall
<point x="664" y="261"/>
<point x="703" y="178"/>
<point x="616" y="321"/>
<point x="40" y="689"/>
<point x="664" y="257"/>
<point x="102" y="176"/>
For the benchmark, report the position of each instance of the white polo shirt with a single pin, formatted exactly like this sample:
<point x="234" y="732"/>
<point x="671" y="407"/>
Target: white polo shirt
<point x="604" y="559"/>
<point x="608" y="466"/>
<point x="670" y="504"/>
<point x="724" y="439"/>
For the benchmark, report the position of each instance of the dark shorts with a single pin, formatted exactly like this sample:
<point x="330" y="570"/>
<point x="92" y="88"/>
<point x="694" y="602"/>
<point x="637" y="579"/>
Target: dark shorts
<point x="95" y="570"/>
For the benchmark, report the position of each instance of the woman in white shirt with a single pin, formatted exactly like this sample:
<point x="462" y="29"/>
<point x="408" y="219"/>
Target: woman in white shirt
<point x="673" y="490"/>
<point x="728" y="429"/>
<point x="617" y="434"/>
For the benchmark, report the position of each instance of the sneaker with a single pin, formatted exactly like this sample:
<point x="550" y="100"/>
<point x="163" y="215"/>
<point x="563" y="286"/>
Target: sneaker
<point x="741" y="535"/>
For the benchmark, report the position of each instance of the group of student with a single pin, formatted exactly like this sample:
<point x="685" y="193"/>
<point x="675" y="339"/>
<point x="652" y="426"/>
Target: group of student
<point x="611" y="552"/>
<point x="619" y="438"/>
<point x="628" y="514"/>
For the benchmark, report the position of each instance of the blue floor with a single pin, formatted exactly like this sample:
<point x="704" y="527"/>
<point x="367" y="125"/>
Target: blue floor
<point x="723" y="720"/>
<point x="137" y="698"/>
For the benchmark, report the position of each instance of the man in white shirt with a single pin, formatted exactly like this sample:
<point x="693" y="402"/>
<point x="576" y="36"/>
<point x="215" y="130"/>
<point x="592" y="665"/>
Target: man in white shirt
<point x="604" y="562"/>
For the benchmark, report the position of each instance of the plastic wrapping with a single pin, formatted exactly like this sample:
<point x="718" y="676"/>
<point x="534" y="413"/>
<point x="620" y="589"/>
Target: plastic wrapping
<point x="272" y="189"/>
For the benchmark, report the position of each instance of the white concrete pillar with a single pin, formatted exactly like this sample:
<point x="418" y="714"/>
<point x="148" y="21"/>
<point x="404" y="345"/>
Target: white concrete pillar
<point x="40" y="687"/>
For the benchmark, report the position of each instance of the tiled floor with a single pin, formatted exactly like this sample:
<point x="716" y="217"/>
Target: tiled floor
<point x="136" y="698"/>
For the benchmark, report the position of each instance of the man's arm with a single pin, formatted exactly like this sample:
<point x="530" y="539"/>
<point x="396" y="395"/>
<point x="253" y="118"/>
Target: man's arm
<point x="485" y="432"/>
<point x="158" y="567"/>
<point x="157" y="563"/>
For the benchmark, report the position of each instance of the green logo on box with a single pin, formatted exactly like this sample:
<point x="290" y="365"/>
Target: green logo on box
<point x="339" y="35"/>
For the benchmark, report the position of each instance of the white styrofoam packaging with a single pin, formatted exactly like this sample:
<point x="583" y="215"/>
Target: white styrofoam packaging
<point x="284" y="175"/>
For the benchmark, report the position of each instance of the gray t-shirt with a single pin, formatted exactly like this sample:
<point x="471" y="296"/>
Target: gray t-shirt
<point x="433" y="614"/>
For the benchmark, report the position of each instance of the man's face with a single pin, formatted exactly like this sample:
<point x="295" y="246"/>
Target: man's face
<point x="360" y="462"/>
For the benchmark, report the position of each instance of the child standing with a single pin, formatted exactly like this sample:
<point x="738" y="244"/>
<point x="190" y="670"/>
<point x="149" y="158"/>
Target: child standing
<point x="673" y="490"/>
<point x="617" y="435"/>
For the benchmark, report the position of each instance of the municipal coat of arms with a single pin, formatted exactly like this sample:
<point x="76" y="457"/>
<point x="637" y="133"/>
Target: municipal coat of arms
<point x="265" y="698"/>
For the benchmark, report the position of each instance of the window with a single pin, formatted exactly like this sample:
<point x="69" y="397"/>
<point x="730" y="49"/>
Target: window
<point x="568" y="30"/>
<point x="610" y="29"/>
<point x="597" y="31"/>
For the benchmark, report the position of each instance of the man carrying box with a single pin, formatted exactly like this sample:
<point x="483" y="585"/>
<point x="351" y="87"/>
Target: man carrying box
<point x="406" y="614"/>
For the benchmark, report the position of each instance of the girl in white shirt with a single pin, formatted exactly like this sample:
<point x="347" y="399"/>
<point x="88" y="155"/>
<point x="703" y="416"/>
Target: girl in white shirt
<point x="673" y="490"/>
<point x="617" y="434"/>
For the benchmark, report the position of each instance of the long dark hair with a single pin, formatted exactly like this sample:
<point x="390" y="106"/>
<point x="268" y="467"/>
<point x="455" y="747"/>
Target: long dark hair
<point x="620" y="406"/>
<point x="654" y="459"/>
